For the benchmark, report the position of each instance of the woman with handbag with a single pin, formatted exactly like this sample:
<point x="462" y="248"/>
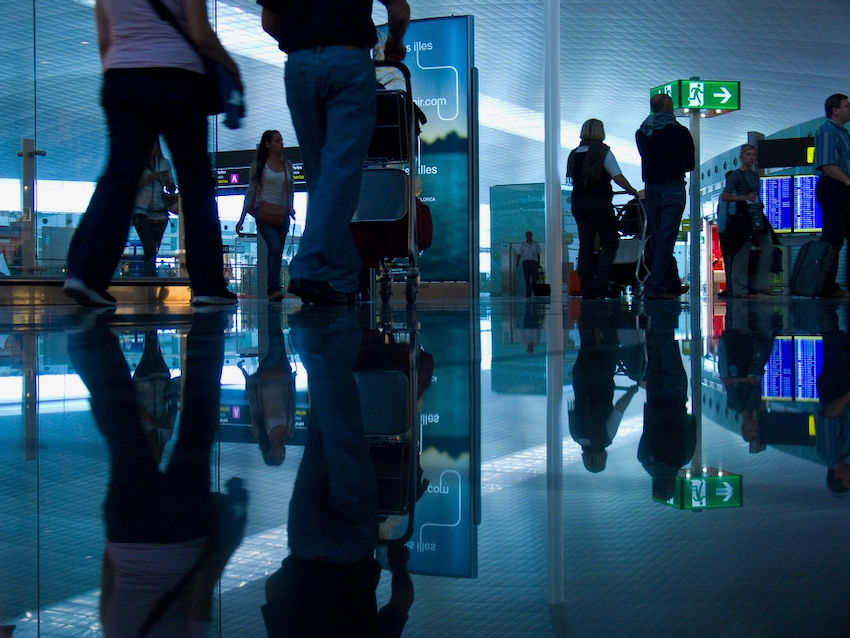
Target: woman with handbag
<point x="745" y="223"/>
<point x="157" y="196"/>
<point x="269" y="201"/>
<point x="154" y="82"/>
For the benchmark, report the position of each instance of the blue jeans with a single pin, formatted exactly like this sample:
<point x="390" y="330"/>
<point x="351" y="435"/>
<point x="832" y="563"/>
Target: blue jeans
<point x="274" y="236"/>
<point x="331" y="96"/>
<point x="665" y="203"/>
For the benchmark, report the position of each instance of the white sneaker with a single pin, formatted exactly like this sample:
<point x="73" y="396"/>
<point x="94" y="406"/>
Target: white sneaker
<point x="77" y="290"/>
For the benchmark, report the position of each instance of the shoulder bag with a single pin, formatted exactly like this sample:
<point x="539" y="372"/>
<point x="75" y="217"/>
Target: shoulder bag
<point x="224" y="92"/>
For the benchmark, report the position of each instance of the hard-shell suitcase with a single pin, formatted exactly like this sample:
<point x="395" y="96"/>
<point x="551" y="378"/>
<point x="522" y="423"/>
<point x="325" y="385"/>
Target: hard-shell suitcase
<point x="541" y="288"/>
<point x="811" y="268"/>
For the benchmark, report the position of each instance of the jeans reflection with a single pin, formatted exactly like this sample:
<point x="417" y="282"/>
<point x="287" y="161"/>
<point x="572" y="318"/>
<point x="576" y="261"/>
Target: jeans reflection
<point x="168" y="537"/>
<point x="594" y="416"/>
<point x="669" y="432"/>
<point x="833" y="419"/>
<point x="326" y="586"/>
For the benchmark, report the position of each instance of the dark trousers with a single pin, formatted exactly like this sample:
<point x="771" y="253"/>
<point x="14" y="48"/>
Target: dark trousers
<point x="595" y="216"/>
<point x="150" y="232"/>
<point x="833" y="198"/>
<point x="665" y="203"/>
<point x="529" y="275"/>
<point x="140" y="104"/>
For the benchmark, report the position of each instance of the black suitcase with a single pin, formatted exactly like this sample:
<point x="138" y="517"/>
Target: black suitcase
<point x="811" y="268"/>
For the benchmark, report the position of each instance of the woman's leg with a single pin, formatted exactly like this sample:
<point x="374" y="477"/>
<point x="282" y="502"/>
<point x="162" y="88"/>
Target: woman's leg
<point x="274" y="236"/>
<point x="761" y="280"/>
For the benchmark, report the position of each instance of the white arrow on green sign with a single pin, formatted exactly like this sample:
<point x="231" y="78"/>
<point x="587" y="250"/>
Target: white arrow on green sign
<point x="705" y="95"/>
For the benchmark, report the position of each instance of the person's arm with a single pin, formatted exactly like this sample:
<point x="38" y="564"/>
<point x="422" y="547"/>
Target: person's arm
<point x="248" y="202"/>
<point x="204" y="37"/>
<point x="398" y="17"/>
<point x="623" y="183"/>
<point x="729" y="193"/>
<point x="102" y="29"/>
<point x="832" y="170"/>
<point x="270" y="21"/>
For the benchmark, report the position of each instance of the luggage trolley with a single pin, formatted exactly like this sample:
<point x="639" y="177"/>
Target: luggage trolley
<point x="384" y="222"/>
<point x="631" y="262"/>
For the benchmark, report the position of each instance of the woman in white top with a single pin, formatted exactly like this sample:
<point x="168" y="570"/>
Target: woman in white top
<point x="269" y="200"/>
<point x="152" y="82"/>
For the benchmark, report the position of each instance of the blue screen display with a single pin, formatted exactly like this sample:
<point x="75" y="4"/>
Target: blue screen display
<point x="807" y="215"/>
<point x="777" y="195"/>
<point x="808" y="360"/>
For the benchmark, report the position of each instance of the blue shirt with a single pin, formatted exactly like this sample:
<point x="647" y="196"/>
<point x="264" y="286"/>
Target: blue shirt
<point x="832" y="146"/>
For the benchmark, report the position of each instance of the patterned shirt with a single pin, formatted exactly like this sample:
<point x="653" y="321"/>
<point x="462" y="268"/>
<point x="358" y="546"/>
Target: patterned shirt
<point x="832" y="146"/>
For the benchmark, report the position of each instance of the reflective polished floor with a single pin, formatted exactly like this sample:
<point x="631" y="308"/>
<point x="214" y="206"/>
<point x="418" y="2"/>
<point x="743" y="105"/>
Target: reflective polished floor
<point x="509" y="468"/>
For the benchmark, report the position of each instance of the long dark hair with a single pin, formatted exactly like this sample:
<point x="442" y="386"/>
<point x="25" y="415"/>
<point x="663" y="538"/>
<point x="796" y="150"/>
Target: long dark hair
<point x="263" y="154"/>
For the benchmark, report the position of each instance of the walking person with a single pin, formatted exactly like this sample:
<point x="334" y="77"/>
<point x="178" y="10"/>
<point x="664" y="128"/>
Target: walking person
<point x="832" y="164"/>
<point x="269" y="200"/>
<point x="742" y="192"/>
<point x="667" y="154"/>
<point x="155" y="198"/>
<point x="528" y="254"/>
<point x="151" y="83"/>
<point x="591" y="167"/>
<point x="330" y="91"/>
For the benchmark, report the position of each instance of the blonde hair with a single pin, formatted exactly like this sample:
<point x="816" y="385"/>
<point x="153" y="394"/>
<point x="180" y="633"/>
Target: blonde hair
<point x="592" y="131"/>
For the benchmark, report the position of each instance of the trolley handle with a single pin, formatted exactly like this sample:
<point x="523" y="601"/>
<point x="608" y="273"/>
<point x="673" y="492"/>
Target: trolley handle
<point x="405" y="72"/>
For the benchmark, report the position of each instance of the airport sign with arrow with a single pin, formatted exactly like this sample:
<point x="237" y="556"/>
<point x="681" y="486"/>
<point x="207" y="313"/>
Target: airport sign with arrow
<point x="709" y="97"/>
<point x="713" y="490"/>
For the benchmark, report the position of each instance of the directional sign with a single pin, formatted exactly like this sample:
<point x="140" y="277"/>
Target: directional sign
<point x="710" y="97"/>
<point x="714" y="490"/>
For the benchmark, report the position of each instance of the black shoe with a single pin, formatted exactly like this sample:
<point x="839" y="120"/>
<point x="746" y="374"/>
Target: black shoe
<point x="77" y="290"/>
<point x="221" y="298"/>
<point x="320" y="293"/>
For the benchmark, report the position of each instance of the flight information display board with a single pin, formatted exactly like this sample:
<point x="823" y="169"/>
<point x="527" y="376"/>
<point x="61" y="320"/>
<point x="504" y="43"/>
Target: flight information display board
<point x="808" y="360"/>
<point x="807" y="214"/>
<point x="778" y="379"/>
<point x="777" y="195"/>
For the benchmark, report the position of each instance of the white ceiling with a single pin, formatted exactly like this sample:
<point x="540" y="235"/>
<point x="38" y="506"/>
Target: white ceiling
<point x="788" y="54"/>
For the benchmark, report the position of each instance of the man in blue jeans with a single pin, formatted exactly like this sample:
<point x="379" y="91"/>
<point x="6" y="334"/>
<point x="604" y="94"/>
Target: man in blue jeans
<point x="330" y="91"/>
<point x="667" y="153"/>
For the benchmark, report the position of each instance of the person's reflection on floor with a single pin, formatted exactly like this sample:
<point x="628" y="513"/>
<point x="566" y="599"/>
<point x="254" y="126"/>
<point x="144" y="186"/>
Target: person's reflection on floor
<point x="271" y="392"/>
<point x="168" y="537"/>
<point x="157" y="394"/>
<point x="669" y="432"/>
<point x="832" y="434"/>
<point x="326" y="586"/>
<point x="743" y="351"/>
<point x="531" y="330"/>
<point x="594" y="417"/>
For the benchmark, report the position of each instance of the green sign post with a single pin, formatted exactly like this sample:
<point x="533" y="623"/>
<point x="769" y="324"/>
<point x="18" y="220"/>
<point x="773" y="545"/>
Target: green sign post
<point x="713" y="490"/>
<point x="709" y="97"/>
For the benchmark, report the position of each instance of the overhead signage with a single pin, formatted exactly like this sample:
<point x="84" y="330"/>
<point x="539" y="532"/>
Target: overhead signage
<point x="714" y="489"/>
<point x="709" y="97"/>
<point x="788" y="151"/>
<point x="233" y="169"/>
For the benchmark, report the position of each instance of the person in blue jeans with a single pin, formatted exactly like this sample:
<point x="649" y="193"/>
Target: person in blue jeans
<point x="667" y="153"/>
<point x="330" y="91"/>
<point x="270" y="196"/>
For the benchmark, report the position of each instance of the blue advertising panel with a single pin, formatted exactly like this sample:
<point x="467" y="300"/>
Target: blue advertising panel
<point x="807" y="214"/>
<point x="439" y="56"/>
<point x="808" y="360"/>
<point x="776" y="194"/>
<point x="777" y="382"/>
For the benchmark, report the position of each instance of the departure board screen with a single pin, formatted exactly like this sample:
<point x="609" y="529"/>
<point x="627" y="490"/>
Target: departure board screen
<point x="778" y="379"/>
<point x="777" y="195"/>
<point x="807" y="215"/>
<point x="808" y="359"/>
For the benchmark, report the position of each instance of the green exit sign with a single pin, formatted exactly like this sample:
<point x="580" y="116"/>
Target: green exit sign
<point x="710" y="97"/>
<point x="715" y="489"/>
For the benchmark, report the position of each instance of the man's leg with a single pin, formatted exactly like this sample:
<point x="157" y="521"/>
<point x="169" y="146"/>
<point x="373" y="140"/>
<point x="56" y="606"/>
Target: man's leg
<point x="668" y="204"/>
<point x="527" y="268"/>
<point x="832" y="197"/>
<point x="345" y="91"/>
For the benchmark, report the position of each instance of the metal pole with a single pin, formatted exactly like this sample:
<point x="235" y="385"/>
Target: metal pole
<point x="27" y="154"/>
<point x="695" y="279"/>
<point x="552" y="144"/>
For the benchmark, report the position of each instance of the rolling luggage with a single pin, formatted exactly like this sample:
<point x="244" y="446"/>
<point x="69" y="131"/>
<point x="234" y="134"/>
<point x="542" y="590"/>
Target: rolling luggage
<point x="811" y="268"/>
<point x="541" y="288"/>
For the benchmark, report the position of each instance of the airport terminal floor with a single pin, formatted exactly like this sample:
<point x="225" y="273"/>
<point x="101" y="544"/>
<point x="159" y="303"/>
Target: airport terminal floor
<point x="515" y="467"/>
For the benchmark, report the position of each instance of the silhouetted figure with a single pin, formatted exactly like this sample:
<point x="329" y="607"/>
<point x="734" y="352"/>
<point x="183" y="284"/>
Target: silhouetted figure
<point x="669" y="432"/>
<point x="168" y="537"/>
<point x="833" y="421"/>
<point x="326" y="586"/>
<point x="157" y="394"/>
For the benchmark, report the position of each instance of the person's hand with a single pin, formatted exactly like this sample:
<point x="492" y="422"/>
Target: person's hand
<point x="752" y="197"/>
<point x="394" y="50"/>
